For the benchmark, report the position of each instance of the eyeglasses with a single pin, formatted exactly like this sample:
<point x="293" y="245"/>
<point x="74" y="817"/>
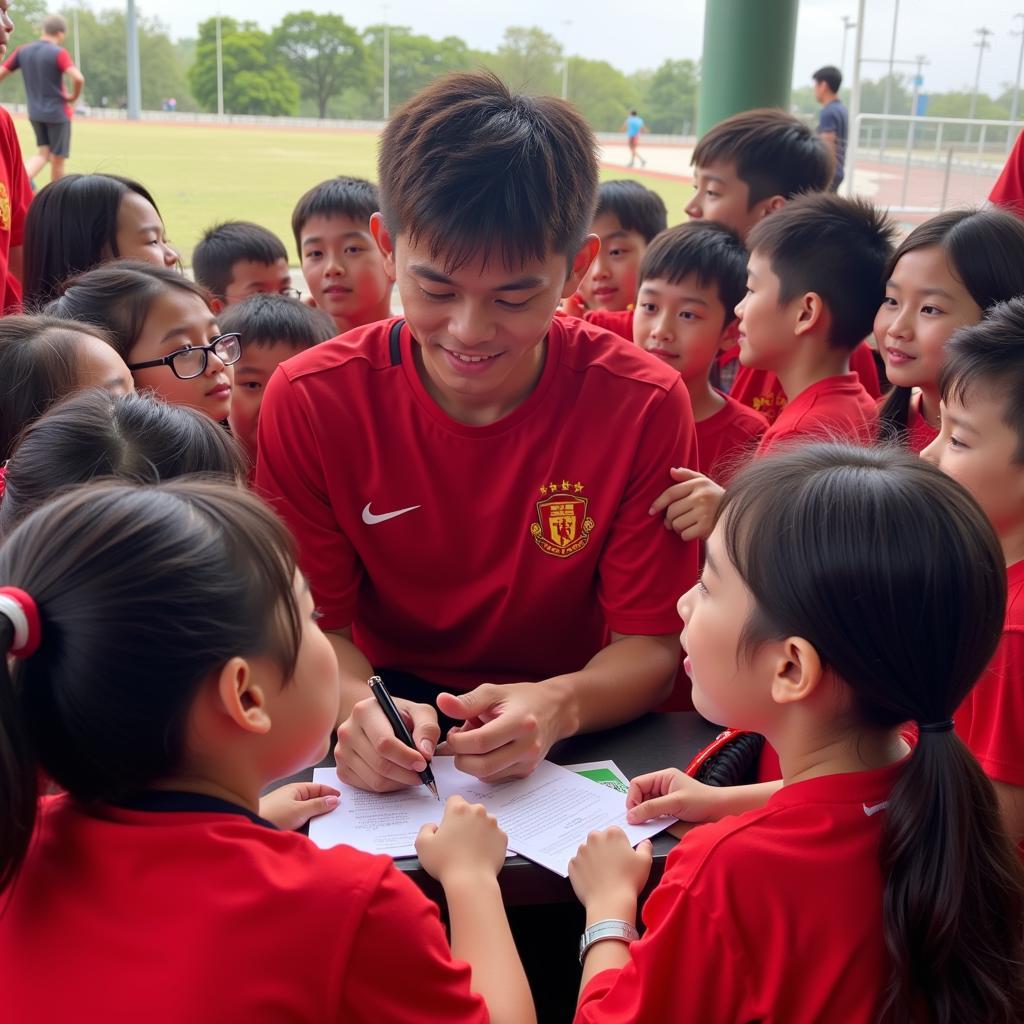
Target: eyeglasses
<point x="191" y="362"/>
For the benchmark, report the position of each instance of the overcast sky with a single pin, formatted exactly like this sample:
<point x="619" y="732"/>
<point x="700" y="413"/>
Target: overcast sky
<point x="634" y="34"/>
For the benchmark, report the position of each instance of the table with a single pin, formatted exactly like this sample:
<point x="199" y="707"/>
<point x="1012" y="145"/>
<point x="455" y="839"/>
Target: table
<point x="652" y="742"/>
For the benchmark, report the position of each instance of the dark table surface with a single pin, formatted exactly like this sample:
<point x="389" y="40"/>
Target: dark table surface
<point x="652" y="742"/>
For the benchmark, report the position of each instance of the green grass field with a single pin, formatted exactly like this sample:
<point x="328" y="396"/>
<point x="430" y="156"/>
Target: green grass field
<point x="201" y="174"/>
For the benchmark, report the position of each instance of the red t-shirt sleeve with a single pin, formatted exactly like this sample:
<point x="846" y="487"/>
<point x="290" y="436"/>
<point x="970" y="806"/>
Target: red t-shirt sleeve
<point x="644" y="567"/>
<point x="401" y="969"/>
<point x="997" y="712"/>
<point x="1008" y="191"/>
<point x="14" y="61"/>
<point x="21" y="191"/>
<point x="64" y="61"/>
<point x="683" y="969"/>
<point x="862" y="362"/>
<point x="289" y="474"/>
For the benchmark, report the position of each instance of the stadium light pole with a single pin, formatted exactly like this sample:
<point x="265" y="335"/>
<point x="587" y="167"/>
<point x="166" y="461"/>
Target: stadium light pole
<point x="848" y="23"/>
<point x="887" y="102"/>
<point x="134" y="75"/>
<point x="853" y="135"/>
<point x="387" y="64"/>
<point x="220" y="71"/>
<point x="1015" y="101"/>
<point x="78" y="49"/>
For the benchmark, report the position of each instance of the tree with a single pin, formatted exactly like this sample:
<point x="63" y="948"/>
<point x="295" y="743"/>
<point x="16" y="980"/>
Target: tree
<point x="530" y="60"/>
<point x="324" y="55"/>
<point x="255" y="80"/>
<point x="671" y="101"/>
<point x="603" y="94"/>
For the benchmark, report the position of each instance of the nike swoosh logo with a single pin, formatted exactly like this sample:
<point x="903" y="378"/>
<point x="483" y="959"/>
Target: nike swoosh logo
<point x="875" y="808"/>
<point x="371" y="520"/>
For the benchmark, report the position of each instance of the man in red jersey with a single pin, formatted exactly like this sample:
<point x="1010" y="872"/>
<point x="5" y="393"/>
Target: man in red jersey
<point x="469" y="486"/>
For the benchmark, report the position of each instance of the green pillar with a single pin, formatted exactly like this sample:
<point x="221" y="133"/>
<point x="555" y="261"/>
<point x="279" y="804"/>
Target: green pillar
<point x="748" y="57"/>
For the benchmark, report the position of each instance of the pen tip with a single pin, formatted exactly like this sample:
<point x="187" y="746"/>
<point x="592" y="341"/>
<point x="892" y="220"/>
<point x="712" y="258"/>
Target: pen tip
<point x="432" y="786"/>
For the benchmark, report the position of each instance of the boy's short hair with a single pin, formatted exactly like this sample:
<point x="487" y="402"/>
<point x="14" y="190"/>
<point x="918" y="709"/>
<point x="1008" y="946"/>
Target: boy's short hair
<point x="713" y="252"/>
<point x="223" y="245"/>
<point x="830" y="75"/>
<point x="637" y="208"/>
<point x="987" y="358"/>
<point x="267" y="319"/>
<point x="355" y="198"/>
<point x="774" y="154"/>
<point x="839" y="248"/>
<point x="468" y="167"/>
<point x="54" y="24"/>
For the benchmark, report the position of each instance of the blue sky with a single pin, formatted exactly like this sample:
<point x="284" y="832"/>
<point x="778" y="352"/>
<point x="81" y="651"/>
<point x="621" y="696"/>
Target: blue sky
<point x="655" y="30"/>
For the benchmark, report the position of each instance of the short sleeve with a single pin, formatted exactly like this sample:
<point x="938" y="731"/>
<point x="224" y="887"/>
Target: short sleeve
<point x="290" y="476"/>
<point x="401" y="969"/>
<point x="13" y="63"/>
<point x="828" y="120"/>
<point x="683" y="969"/>
<point x="644" y="567"/>
<point x="64" y="61"/>
<point x="991" y="720"/>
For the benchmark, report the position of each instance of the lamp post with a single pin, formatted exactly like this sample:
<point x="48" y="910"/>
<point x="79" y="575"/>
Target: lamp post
<point x="220" y="71"/>
<point x="848" y="23"/>
<point x="134" y="75"/>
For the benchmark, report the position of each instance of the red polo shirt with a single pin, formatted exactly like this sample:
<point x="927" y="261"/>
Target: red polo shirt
<point x="467" y="554"/>
<point x="15" y="196"/>
<point x="1008" y="191"/>
<point x="773" y="916"/>
<point x="194" y="910"/>
<point x="618" y="321"/>
<point x="727" y="438"/>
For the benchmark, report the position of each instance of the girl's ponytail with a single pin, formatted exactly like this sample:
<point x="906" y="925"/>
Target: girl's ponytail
<point x="954" y="892"/>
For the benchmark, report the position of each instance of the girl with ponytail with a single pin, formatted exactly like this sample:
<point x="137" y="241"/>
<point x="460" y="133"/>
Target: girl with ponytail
<point x="160" y="661"/>
<point x="876" y="883"/>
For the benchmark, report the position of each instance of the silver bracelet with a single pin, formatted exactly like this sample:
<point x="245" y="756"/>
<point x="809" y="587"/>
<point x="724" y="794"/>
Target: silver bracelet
<point x="610" y="928"/>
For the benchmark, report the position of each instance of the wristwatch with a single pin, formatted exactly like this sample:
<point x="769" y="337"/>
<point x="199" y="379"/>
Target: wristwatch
<point x="621" y="931"/>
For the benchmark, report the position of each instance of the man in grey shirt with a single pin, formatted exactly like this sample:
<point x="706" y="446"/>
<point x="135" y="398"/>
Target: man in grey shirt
<point x="833" y="119"/>
<point x="44" y="64"/>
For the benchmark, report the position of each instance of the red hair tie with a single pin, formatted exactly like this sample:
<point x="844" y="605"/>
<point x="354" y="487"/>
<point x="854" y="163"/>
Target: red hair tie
<point x="23" y="613"/>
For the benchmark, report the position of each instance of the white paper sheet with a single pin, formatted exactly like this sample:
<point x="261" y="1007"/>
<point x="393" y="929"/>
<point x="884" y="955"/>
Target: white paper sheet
<point x="546" y="816"/>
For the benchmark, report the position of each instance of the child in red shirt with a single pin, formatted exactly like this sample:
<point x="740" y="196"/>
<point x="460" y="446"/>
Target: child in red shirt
<point x="1008" y="191"/>
<point x="943" y="276"/>
<point x="691" y="279"/>
<point x="628" y="216"/>
<point x="179" y="610"/>
<point x="981" y="445"/>
<point x="877" y="879"/>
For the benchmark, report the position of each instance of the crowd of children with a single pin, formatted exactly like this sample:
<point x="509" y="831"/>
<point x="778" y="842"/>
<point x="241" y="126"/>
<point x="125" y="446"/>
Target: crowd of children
<point x="223" y="506"/>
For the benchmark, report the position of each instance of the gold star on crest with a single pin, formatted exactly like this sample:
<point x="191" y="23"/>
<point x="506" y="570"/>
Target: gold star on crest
<point x="543" y="489"/>
<point x="577" y="487"/>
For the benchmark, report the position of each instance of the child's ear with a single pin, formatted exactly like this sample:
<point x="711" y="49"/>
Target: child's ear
<point x="385" y="243"/>
<point x="581" y="264"/>
<point x="798" y="671"/>
<point x="811" y="313"/>
<point x="242" y="700"/>
<point x="768" y="206"/>
<point x="217" y="305"/>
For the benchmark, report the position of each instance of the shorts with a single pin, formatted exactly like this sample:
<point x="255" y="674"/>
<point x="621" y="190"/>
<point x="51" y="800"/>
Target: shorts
<point x="54" y="134"/>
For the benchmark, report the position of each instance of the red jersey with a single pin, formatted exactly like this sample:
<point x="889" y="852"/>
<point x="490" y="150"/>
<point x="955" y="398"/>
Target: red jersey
<point x="467" y="554"/>
<point x="195" y="910"/>
<point x="1008" y="191"/>
<point x="991" y="719"/>
<point x="762" y="390"/>
<point x="15" y="195"/>
<point x="834" y="407"/>
<point x="920" y="433"/>
<point x="773" y="916"/>
<point x="725" y="438"/>
<point x="618" y="321"/>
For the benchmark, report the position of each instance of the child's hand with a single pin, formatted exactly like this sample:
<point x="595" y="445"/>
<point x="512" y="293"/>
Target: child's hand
<point x="467" y="841"/>
<point x="291" y="806"/>
<point x="670" y="792"/>
<point x="608" y="869"/>
<point x="689" y="505"/>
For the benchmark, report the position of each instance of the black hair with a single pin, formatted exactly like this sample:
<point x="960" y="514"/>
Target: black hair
<point x="71" y="227"/>
<point x="96" y="434"/>
<point x="143" y="592"/>
<point x="38" y="366"/>
<point x="774" y="153"/>
<point x="635" y="207"/>
<point x="836" y="247"/>
<point x="472" y="169"/>
<point x="118" y="296"/>
<point x="852" y="546"/>
<point x="713" y="252"/>
<point x="985" y="252"/>
<point x="223" y="245"/>
<point x="986" y="360"/>
<point x="830" y="75"/>
<point x="264" y="320"/>
<point x="355" y="198"/>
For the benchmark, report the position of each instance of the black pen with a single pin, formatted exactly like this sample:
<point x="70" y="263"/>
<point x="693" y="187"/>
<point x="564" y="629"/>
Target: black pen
<point x="387" y="705"/>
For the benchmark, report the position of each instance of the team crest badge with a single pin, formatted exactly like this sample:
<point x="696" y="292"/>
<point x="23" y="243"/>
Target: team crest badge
<point x="5" y="208"/>
<point x="563" y="526"/>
